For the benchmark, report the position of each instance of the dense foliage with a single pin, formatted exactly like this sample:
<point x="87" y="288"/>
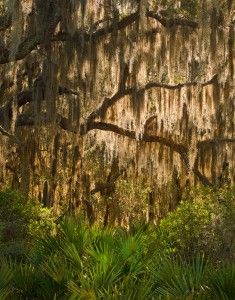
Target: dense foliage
<point x="203" y="222"/>
<point x="21" y="221"/>
<point x="177" y="259"/>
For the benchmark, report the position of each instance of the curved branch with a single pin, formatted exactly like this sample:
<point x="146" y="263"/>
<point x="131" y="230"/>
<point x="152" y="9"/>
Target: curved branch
<point x="203" y="179"/>
<point x="127" y="21"/>
<point x="108" y="102"/>
<point x="29" y="120"/>
<point x="218" y="140"/>
<point x="25" y="97"/>
<point x="31" y="42"/>
<point x="215" y="141"/>
<point x="116" y="25"/>
<point x="180" y="148"/>
<point x="172" y="22"/>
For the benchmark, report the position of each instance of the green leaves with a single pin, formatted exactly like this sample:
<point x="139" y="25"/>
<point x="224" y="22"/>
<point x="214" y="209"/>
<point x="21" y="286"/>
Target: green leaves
<point x="222" y="282"/>
<point x="82" y="262"/>
<point x="21" y="221"/>
<point x="177" y="279"/>
<point x="203" y="222"/>
<point x="6" y="275"/>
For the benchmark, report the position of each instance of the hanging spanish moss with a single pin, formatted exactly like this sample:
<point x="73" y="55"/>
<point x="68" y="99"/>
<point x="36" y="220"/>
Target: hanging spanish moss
<point x="86" y="82"/>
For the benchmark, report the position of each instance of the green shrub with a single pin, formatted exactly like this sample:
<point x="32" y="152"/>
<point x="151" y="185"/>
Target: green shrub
<point x="203" y="222"/>
<point x="21" y="221"/>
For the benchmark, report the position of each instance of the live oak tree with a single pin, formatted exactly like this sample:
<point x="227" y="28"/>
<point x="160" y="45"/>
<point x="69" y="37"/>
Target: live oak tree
<point x="86" y="81"/>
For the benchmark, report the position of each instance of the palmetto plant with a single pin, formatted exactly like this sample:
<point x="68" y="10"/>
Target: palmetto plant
<point x="93" y="263"/>
<point x="222" y="282"/>
<point x="176" y="278"/>
<point x="6" y="276"/>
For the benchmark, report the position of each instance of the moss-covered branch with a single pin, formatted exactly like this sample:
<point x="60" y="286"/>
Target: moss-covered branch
<point x="31" y="43"/>
<point x="108" y="102"/>
<point x="172" y="22"/>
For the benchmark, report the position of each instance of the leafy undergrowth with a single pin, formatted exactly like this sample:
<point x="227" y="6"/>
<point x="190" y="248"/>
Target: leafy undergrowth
<point x="93" y="263"/>
<point x="184" y="257"/>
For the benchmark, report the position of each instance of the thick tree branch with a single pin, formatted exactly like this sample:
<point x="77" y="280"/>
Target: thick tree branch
<point x="216" y="141"/>
<point x="30" y="119"/>
<point x="30" y="43"/>
<point x="108" y="102"/>
<point x="180" y="148"/>
<point x="172" y="22"/>
<point x="91" y="34"/>
<point x="202" y="178"/>
<point x="25" y="97"/>
<point x="115" y="25"/>
<point x="128" y="20"/>
<point x="27" y="119"/>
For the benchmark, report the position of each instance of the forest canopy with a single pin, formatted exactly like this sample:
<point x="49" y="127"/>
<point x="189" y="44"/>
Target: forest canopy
<point x="97" y="94"/>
